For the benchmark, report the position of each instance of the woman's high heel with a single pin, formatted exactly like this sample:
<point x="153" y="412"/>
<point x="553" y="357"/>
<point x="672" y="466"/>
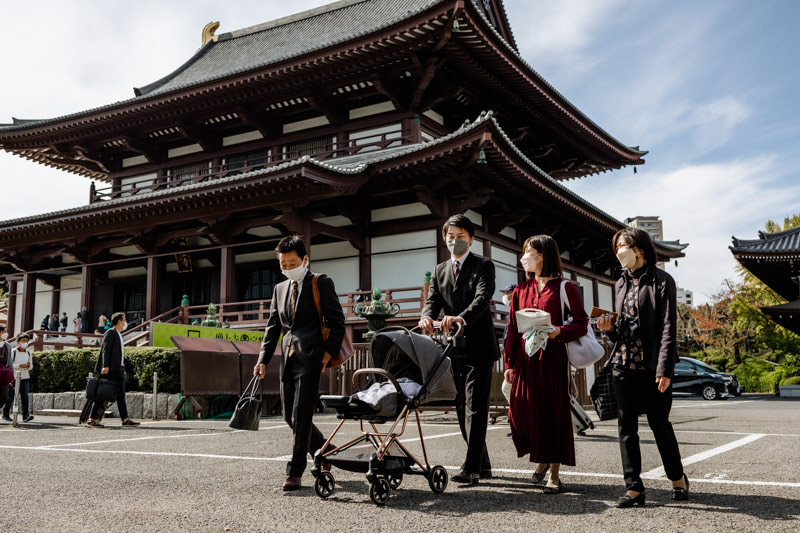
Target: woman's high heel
<point x="626" y="501"/>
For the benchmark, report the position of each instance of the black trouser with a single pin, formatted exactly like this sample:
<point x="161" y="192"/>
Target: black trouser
<point x="637" y="389"/>
<point x="299" y="396"/>
<point x="473" y="386"/>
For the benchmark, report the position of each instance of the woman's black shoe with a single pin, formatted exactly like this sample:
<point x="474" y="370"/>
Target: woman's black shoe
<point x="679" y="494"/>
<point x="626" y="501"/>
<point x="539" y="477"/>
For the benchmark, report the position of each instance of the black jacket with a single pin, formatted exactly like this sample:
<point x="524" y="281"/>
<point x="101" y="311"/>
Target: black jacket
<point x="110" y="354"/>
<point x="304" y="333"/>
<point x="657" y="318"/>
<point x="468" y="297"/>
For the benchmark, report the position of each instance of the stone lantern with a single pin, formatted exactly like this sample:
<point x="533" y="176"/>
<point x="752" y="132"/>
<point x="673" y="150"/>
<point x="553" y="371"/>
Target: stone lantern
<point x="376" y="313"/>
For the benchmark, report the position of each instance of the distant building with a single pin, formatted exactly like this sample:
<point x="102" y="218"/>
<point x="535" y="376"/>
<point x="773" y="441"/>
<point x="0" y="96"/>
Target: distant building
<point x="685" y="297"/>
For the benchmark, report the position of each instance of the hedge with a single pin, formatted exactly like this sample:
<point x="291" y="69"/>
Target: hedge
<point x="66" y="370"/>
<point x="794" y="380"/>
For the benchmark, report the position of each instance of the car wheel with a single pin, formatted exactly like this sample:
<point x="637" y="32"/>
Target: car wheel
<point x="709" y="392"/>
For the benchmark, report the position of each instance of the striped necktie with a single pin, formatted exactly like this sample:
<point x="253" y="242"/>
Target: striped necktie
<point x="293" y="300"/>
<point x="456" y="268"/>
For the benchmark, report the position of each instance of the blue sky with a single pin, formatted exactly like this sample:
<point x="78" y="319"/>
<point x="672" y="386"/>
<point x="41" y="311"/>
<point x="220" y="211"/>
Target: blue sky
<point x="708" y="88"/>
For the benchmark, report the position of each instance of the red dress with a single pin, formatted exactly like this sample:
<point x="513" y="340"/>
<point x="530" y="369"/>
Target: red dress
<point x="539" y="414"/>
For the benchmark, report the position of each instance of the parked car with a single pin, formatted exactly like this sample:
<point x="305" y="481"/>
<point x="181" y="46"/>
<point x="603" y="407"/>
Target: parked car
<point x="696" y="377"/>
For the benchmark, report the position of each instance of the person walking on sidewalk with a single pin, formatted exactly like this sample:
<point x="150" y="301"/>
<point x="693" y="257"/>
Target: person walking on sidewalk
<point x="22" y="361"/>
<point x="111" y="364"/>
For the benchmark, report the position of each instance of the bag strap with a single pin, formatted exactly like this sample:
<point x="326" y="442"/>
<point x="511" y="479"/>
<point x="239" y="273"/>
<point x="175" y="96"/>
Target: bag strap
<point x="564" y="301"/>
<point x="317" y="303"/>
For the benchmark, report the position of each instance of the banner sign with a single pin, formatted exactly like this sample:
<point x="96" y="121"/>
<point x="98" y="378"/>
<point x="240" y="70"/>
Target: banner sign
<point x="160" y="333"/>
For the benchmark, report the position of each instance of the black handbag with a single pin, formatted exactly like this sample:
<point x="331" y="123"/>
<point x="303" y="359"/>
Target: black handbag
<point x="101" y="390"/>
<point x="602" y="393"/>
<point x="248" y="409"/>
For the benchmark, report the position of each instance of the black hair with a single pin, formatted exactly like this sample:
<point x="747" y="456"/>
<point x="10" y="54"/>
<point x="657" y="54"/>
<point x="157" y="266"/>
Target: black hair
<point x="636" y="238"/>
<point x="2" y="328"/>
<point x="459" y="221"/>
<point x="551" y="257"/>
<point x="116" y="317"/>
<point x="292" y="243"/>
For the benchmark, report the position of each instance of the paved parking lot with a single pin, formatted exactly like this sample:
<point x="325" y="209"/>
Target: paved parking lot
<point x="742" y="457"/>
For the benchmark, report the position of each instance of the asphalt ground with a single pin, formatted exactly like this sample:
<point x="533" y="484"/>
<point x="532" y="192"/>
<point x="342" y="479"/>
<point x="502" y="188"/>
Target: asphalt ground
<point x="742" y="457"/>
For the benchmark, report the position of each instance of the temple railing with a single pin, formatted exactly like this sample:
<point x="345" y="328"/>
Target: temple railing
<point x="231" y="166"/>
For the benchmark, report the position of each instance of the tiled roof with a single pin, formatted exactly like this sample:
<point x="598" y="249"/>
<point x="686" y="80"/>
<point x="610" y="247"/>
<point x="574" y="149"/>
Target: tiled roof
<point x="780" y="242"/>
<point x="266" y="44"/>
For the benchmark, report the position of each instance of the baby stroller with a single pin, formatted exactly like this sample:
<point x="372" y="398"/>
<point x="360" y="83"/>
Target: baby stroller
<point x="410" y="370"/>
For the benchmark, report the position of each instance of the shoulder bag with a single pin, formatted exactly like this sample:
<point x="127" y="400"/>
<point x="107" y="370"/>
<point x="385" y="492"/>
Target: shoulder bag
<point x="346" y="351"/>
<point x="602" y="393"/>
<point x="248" y="409"/>
<point x="585" y="351"/>
<point x="101" y="389"/>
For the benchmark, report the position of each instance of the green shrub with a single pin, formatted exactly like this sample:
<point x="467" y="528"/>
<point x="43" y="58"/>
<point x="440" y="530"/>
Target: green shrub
<point x="66" y="370"/>
<point x="794" y="380"/>
<point x="756" y="375"/>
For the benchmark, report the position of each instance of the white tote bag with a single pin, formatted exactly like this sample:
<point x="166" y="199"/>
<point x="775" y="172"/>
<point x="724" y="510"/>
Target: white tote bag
<point x="585" y="351"/>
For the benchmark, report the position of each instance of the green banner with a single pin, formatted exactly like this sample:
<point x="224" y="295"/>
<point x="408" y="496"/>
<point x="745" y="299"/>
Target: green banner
<point x="160" y="333"/>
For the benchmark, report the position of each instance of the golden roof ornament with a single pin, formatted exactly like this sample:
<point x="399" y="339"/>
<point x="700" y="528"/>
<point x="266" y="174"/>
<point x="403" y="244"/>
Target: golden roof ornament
<point x="208" y="32"/>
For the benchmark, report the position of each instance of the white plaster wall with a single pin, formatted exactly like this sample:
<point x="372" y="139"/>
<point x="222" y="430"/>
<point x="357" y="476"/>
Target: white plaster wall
<point x="343" y="272"/>
<point x="43" y="301"/>
<point x="70" y="302"/>
<point x="588" y="293"/>
<point x="605" y="294"/>
<point x="393" y="268"/>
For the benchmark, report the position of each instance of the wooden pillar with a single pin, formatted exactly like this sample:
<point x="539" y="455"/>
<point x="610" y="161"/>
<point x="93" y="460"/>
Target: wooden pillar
<point x="595" y="293"/>
<point x="365" y="265"/>
<point x="55" y="298"/>
<point x="487" y="249"/>
<point x="153" y="283"/>
<point x="87" y="296"/>
<point x="12" y="308"/>
<point x="442" y="253"/>
<point x="28" y="301"/>
<point x="227" y="276"/>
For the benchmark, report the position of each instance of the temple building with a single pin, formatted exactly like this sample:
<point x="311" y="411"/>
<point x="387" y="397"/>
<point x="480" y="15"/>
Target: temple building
<point x="774" y="258"/>
<point x="361" y="125"/>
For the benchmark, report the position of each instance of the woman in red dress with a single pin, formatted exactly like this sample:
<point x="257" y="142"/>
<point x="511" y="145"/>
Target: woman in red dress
<point x="539" y="414"/>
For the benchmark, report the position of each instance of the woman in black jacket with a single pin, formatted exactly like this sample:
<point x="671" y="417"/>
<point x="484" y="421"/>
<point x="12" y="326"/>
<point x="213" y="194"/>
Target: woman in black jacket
<point x="643" y="361"/>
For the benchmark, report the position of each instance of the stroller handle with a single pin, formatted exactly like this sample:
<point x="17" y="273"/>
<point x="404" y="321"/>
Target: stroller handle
<point x="380" y="371"/>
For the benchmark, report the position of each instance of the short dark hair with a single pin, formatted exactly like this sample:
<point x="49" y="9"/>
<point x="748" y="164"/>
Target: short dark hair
<point x="551" y="257"/>
<point x="459" y="221"/>
<point x="2" y="328"/>
<point x="636" y="238"/>
<point x="116" y="317"/>
<point x="292" y="243"/>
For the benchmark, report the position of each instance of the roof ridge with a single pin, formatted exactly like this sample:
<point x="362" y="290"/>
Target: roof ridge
<point x="290" y="19"/>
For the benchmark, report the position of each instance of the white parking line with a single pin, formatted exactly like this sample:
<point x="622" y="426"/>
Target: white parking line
<point x="707" y="404"/>
<point x="659" y="472"/>
<point x="143" y="438"/>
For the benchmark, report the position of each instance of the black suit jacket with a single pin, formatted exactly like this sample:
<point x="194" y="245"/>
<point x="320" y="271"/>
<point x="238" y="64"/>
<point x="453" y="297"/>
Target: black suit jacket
<point x="110" y="354"/>
<point x="304" y="334"/>
<point x="468" y="297"/>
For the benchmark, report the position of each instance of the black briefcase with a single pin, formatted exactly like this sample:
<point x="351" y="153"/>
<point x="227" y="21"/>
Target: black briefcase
<point x="602" y="393"/>
<point x="248" y="409"/>
<point x="101" y="390"/>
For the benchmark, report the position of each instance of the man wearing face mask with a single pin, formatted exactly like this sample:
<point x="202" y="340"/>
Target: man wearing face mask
<point x="111" y="365"/>
<point x="643" y="361"/>
<point x="462" y="287"/>
<point x="22" y="361"/>
<point x="293" y="314"/>
<point x="6" y="367"/>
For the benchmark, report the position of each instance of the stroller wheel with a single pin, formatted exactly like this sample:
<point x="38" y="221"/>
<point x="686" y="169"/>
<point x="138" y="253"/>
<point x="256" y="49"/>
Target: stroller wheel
<point x="379" y="491"/>
<point x="395" y="480"/>
<point x="437" y="479"/>
<point x="324" y="485"/>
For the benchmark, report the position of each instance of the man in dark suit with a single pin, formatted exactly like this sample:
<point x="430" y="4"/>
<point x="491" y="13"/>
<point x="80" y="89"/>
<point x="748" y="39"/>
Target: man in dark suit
<point x="111" y="364"/>
<point x="462" y="287"/>
<point x="293" y="314"/>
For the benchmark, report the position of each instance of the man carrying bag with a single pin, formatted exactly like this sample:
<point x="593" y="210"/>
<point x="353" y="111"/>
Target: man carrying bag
<point x="111" y="365"/>
<point x="292" y="313"/>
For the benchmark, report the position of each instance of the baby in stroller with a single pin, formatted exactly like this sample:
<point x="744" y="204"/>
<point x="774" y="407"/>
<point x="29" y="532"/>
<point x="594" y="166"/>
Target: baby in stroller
<point x="409" y="370"/>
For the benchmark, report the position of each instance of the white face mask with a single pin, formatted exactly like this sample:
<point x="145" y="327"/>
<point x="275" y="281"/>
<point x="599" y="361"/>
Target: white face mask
<point x="626" y="257"/>
<point x="23" y="345"/>
<point x="296" y="274"/>
<point x="4" y="336"/>
<point x="506" y="300"/>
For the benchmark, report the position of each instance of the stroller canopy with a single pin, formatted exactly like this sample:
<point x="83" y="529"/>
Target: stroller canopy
<point x="417" y="357"/>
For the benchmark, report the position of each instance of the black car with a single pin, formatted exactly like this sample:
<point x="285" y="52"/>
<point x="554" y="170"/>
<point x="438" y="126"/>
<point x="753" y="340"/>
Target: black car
<point x="696" y="377"/>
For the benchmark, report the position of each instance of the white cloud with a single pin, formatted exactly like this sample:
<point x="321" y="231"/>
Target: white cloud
<point x="703" y="205"/>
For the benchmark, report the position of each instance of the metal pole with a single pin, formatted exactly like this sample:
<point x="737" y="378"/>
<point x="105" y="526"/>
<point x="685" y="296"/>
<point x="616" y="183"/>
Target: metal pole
<point x="155" y="395"/>
<point x="15" y="407"/>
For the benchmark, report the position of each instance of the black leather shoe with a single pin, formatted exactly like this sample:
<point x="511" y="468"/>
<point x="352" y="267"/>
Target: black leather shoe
<point x="626" y="501"/>
<point x="538" y="477"/>
<point x="465" y="478"/>
<point x="554" y="490"/>
<point x="486" y="474"/>
<point x="679" y="494"/>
